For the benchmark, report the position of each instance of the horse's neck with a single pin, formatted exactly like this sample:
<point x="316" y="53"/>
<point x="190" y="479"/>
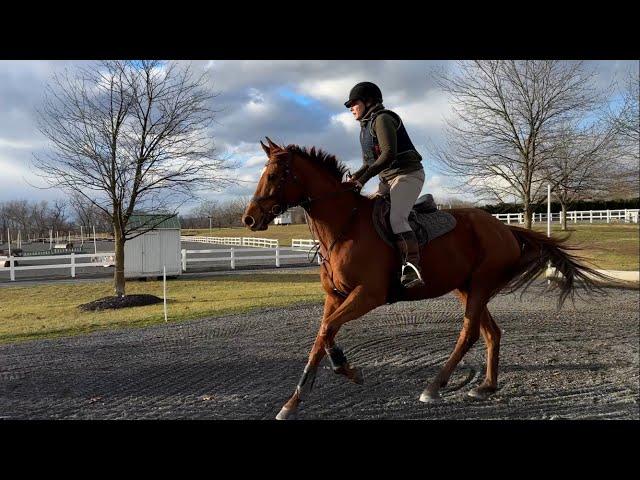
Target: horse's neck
<point x="331" y="209"/>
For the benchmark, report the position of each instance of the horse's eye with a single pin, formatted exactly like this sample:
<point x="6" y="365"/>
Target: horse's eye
<point x="271" y="177"/>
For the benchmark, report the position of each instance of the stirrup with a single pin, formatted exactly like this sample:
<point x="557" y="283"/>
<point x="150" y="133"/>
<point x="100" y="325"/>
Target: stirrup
<point x="416" y="282"/>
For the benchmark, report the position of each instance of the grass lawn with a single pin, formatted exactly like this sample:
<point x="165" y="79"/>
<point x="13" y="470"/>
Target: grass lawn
<point x="52" y="310"/>
<point x="610" y="246"/>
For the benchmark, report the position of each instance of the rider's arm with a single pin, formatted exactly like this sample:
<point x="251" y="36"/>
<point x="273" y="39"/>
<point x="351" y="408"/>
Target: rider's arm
<point x="359" y="172"/>
<point x="385" y="127"/>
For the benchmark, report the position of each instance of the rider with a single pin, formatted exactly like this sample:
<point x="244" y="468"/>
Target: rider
<point x="387" y="151"/>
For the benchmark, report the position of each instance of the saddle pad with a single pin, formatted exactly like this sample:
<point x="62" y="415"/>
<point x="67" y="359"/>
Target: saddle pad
<point x="426" y="223"/>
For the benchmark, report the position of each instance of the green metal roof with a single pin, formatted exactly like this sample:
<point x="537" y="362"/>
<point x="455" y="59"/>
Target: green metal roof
<point x="158" y="221"/>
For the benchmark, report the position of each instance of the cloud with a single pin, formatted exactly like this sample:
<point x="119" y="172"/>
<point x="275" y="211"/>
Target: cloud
<point x="291" y="101"/>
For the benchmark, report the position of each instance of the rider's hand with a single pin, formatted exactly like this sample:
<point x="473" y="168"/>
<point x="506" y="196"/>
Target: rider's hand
<point x="354" y="183"/>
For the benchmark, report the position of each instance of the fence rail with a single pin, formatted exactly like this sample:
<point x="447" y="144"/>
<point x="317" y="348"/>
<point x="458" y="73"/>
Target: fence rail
<point x="97" y="260"/>
<point x="231" y="258"/>
<point x="626" y="216"/>
<point x="212" y="240"/>
<point x="259" y="242"/>
<point x="303" y="243"/>
<point x="235" y="241"/>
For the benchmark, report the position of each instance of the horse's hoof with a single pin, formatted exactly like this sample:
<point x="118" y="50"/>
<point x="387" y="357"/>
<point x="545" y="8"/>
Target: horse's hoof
<point x="430" y="397"/>
<point x="358" y="377"/>
<point x="480" y="393"/>
<point x="287" y="414"/>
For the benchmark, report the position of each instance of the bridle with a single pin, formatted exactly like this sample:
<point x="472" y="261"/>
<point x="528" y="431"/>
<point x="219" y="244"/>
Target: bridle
<point x="282" y="205"/>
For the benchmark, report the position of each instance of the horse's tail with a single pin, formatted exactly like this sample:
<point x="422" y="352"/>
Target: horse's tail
<point x="539" y="251"/>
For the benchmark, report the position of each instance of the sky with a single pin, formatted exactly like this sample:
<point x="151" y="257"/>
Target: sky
<point x="291" y="101"/>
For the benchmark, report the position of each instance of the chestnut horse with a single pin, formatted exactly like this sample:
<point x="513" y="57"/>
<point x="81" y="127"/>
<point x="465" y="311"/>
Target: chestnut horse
<point x="477" y="259"/>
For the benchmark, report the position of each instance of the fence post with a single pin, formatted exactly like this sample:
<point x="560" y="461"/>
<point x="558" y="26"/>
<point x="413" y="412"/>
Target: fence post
<point x="184" y="260"/>
<point x="590" y="216"/>
<point x="277" y="256"/>
<point x="12" y="272"/>
<point x="73" y="265"/>
<point x="233" y="259"/>
<point x="508" y="219"/>
<point x="608" y="216"/>
<point x="520" y="220"/>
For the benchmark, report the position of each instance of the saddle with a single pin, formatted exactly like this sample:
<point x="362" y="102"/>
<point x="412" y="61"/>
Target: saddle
<point x="425" y="220"/>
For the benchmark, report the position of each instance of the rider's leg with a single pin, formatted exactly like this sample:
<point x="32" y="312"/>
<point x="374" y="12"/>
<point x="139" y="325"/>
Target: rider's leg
<point x="405" y="190"/>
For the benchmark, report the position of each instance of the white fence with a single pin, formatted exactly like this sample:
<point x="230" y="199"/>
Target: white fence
<point x="626" y="216"/>
<point x="259" y="242"/>
<point x="97" y="260"/>
<point x="236" y="241"/>
<point x="192" y="256"/>
<point x="303" y="243"/>
<point x="213" y="240"/>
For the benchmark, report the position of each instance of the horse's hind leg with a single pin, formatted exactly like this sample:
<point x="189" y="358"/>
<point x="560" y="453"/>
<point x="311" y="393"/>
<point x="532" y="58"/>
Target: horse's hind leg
<point x="491" y="334"/>
<point x="475" y="304"/>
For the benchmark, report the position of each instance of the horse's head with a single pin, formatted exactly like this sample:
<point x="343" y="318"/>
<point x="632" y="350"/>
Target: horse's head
<point x="278" y="188"/>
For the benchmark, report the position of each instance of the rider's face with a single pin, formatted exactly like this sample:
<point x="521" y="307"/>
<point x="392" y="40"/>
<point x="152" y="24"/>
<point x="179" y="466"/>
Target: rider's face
<point x="357" y="109"/>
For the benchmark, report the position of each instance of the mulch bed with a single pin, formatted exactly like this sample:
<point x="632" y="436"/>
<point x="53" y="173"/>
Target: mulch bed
<point x="120" y="302"/>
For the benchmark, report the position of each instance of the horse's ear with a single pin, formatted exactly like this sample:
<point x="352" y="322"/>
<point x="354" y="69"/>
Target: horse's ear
<point x="265" y="148"/>
<point x="272" y="144"/>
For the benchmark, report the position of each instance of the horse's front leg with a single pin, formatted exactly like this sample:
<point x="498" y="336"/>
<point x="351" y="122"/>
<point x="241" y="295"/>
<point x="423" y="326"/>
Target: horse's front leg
<point x="354" y="306"/>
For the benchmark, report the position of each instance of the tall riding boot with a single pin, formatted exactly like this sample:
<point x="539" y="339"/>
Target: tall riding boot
<point x="407" y="245"/>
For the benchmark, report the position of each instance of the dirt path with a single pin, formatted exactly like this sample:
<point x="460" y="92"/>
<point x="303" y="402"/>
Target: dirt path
<point x="573" y="364"/>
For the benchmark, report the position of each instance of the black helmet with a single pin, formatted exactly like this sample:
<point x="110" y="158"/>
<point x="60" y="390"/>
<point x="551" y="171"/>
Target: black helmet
<point x="362" y="91"/>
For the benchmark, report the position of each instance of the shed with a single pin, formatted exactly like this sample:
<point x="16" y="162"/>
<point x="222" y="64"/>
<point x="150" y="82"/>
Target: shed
<point x="145" y="254"/>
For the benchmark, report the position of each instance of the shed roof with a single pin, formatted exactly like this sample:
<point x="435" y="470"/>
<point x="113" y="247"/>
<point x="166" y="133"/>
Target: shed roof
<point x="156" y="221"/>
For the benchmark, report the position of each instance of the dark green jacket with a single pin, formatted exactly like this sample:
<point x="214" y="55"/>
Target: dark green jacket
<point x="389" y="163"/>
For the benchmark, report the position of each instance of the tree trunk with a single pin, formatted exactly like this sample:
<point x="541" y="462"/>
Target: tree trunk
<point x="118" y="276"/>
<point x="527" y="215"/>
<point x="564" y="216"/>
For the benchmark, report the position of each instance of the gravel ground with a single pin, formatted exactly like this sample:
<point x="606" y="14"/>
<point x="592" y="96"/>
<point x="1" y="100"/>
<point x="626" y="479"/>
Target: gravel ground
<point x="578" y="363"/>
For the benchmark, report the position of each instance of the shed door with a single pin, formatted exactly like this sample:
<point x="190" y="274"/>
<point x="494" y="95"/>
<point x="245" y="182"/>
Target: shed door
<point x="152" y="262"/>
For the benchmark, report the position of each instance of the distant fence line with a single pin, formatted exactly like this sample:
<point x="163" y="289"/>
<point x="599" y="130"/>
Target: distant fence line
<point x="236" y="241"/>
<point x="629" y="215"/>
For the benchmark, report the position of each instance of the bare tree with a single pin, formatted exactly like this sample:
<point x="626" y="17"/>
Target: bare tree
<point x="206" y="213"/>
<point x="504" y="111"/>
<point x="130" y="136"/>
<point x="88" y="215"/>
<point x="58" y="216"/>
<point x="578" y="163"/>
<point x="456" y="202"/>
<point x="625" y="180"/>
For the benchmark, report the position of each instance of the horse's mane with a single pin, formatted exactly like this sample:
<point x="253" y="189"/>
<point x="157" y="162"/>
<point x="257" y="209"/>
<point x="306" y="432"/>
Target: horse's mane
<point x="328" y="162"/>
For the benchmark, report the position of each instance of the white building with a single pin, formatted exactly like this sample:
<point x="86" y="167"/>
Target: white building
<point x="145" y="255"/>
<point x="284" y="219"/>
